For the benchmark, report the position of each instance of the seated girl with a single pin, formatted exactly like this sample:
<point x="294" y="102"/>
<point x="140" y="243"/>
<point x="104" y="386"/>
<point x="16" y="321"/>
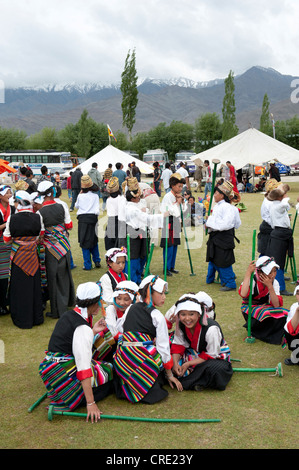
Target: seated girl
<point x="116" y="261"/>
<point x="201" y="357"/>
<point x="69" y="371"/>
<point x="125" y="294"/>
<point x="267" y="314"/>
<point x="292" y="331"/>
<point x="143" y="351"/>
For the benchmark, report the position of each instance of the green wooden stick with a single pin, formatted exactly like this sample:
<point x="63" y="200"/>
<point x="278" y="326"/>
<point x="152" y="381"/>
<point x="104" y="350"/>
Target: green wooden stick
<point x="166" y="246"/>
<point x="287" y="261"/>
<point x="52" y="412"/>
<point x="187" y="243"/>
<point x="147" y="268"/>
<point x="42" y="398"/>
<point x="251" y="339"/>
<point x="278" y="370"/>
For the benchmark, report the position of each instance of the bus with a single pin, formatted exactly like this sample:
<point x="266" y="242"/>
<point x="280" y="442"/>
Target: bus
<point x="35" y="159"/>
<point x="184" y="156"/>
<point x="158" y="155"/>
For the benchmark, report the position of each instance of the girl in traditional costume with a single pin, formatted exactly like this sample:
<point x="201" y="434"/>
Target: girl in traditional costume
<point x="116" y="262"/>
<point x="69" y="370"/>
<point x="57" y="222"/>
<point x="268" y="316"/>
<point x="88" y="205"/>
<point x="143" y="351"/>
<point x="201" y="357"/>
<point x="22" y="232"/>
<point x="5" y="211"/>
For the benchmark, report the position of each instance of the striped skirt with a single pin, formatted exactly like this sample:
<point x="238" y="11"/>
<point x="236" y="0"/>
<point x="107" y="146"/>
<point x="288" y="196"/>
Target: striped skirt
<point x="267" y="322"/>
<point x="137" y="367"/>
<point x="59" y="374"/>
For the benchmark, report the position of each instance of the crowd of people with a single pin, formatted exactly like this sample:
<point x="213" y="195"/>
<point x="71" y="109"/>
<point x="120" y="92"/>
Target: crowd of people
<point x="134" y="350"/>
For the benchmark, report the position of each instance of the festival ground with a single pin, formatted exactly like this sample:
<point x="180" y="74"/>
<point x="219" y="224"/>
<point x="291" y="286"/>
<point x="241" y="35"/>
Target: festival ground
<point x="257" y="410"/>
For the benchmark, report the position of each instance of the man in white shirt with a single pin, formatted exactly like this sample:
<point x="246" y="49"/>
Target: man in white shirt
<point x="221" y="226"/>
<point x="166" y="174"/>
<point x="208" y="186"/>
<point x="184" y="173"/>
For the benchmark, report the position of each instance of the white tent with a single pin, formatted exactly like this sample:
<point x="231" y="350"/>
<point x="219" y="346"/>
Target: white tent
<point x="250" y="147"/>
<point x="112" y="155"/>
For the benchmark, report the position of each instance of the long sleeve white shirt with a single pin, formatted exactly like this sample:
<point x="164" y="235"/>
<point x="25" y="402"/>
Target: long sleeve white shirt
<point x="279" y="213"/>
<point x="224" y="217"/>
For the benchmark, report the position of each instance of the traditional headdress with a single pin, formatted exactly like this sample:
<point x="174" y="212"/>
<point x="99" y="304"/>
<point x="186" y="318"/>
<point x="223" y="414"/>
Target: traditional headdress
<point x="190" y="302"/>
<point x="266" y="264"/>
<point x="113" y="185"/>
<point x="205" y="299"/>
<point x="21" y="185"/>
<point x="4" y="189"/>
<point x="114" y="253"/>
<point x="86" y="182"/>
<point x="132" y="184"/>
<point x="227" y="189"/>
<point x="272" y="183"/>
<point x="155" y="283"/>
<point x="90" y="291"/>
<point x="23" y="199"/>
<point x="126" y="287"/>
<point x="45" y="188"/>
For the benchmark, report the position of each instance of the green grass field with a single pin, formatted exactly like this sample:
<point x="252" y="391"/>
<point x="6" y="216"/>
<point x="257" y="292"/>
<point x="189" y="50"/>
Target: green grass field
<point x="257" y="410"/>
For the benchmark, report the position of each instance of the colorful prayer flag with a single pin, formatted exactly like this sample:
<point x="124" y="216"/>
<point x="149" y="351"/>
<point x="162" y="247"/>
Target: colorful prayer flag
<point x="111" y="133"/>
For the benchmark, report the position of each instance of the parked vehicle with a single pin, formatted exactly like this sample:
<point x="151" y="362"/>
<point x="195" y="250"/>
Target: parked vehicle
<point x="184" y="156"/>
<point x="283" y="169"/>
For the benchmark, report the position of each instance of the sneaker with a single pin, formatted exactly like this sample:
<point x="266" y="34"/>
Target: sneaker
<point x="289" y="362"/>
<point x="51" y="315"/>
<point x="174" y="271"/>
<point x="285" y="292"/>
<point x="168" y="272"/>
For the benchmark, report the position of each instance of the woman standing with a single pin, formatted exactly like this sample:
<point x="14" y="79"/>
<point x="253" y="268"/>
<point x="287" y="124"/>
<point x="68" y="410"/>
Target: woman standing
<point x="71" y="375"/>
<point x="57" y="222"/>
<point x="112" y="207"/>
<point x="88" y="205"/>
<point x="5" y="211"/>
<point x="23" y="230"/>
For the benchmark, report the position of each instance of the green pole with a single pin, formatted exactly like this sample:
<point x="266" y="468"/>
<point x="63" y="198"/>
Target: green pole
<point x="251" y="339"/>
<point x="146" y="272"/>
<point x="278" y="370"/>
<point x="42" y="398"/>
<point x="287" y="261"/>
<point x="129" y="257"/>
<point x="215" y="162"/>
<point x="187" y="242"/>
<point x="51" y="413"/>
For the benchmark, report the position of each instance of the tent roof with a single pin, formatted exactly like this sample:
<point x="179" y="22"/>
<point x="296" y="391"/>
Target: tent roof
<point x="113" y="155"/>
<point x="250" y="147"/>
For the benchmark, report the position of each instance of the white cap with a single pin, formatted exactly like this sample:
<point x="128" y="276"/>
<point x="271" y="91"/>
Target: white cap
<point x="126" y="287"/>
<point x="186" y="302"/>
<point x="24" y="196"/>
<point x="296" y="289"/>
<point x="113" y="253"/>
<point x="266" y="264"/>
<point x="88" y="290"/>
<point x="44" y="186"/>
<point x="158" y="284"/>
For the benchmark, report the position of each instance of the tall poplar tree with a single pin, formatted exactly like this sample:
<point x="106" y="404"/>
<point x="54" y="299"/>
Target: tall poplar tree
<point x="265" y="123"/>
<point x="129" y="92"/>
<point x="229" y="128"/>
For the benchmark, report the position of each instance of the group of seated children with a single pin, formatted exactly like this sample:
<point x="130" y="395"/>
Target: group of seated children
<point x="131" y="351"/>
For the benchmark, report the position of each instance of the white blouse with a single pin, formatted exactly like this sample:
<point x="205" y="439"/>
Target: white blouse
<point x="279" y="213"/>
<point x="224" y="217"/>
<point x="213" y="339"/>
<point x="265" y="210"/>
<point x="88" y="203"/>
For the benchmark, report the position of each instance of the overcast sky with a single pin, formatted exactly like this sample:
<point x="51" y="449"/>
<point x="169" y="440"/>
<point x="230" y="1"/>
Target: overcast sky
<point x="63" y="41"/>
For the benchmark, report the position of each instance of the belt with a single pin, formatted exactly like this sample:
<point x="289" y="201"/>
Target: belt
<point x="136" y="343"/>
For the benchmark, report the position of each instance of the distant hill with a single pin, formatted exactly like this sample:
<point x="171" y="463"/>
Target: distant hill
<point x="33" y="108"/>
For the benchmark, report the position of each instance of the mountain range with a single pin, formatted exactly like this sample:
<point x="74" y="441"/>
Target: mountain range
<point x="179" y="99"/>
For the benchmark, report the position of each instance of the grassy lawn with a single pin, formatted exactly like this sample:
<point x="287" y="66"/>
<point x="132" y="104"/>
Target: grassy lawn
<point x="257" y="410"/>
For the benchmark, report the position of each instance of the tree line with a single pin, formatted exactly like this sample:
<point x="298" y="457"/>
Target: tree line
<point x="87" y="137"/>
